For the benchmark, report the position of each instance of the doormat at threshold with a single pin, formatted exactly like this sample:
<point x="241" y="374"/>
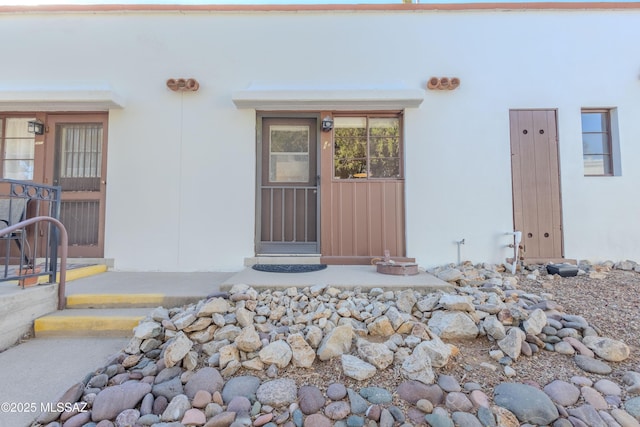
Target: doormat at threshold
<point x="289" y="268"/>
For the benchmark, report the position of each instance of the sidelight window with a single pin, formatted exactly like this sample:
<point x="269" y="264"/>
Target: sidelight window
<point x="18" y="148"/>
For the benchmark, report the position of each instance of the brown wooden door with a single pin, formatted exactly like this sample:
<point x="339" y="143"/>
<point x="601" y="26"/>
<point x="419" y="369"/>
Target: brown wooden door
<point x="363" y="211"/>
<point x="536" y="183"/>
<point x="288" y="196"/>
<point x="78" y="147"/>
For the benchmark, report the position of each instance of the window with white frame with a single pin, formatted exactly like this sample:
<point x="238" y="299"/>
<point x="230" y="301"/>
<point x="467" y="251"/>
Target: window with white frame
<point x="367" y="147"/>
<point x="18" y="148"/>
<point x="597" y="142"/>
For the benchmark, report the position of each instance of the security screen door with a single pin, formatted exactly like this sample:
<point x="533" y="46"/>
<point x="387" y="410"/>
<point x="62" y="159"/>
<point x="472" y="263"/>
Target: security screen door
<point x="288" y="193"/>
<point x="80" y="169"/>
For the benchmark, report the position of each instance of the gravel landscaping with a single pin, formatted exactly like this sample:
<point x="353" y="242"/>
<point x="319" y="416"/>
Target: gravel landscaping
<point x="524" y="349"/>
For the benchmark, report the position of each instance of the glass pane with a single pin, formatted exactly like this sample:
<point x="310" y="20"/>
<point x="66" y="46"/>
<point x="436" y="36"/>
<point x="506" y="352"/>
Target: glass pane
<point x="288" y="153"/>
<point x="351" y="123"/>
<point x="289" y="139"/>
<point x="595" y="143"/>
<point x="350" y="168"/>
<point x="19" y="148"/>
<point x="18" y="169"/>
<point x="597" y="165"/>
<point x="289" y="168"/>
<point x="81" y="148"/>
<point x="347" y="148"/>
<point x="18" y="128"/>
<point x="350" y="147"/>
<point x="385" y="168"/>
<point x="595" y="121"/>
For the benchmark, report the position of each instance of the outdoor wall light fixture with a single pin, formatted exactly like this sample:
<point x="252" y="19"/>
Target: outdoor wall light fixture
<point x="327" y="124"/>
<point x="36" y="127"/>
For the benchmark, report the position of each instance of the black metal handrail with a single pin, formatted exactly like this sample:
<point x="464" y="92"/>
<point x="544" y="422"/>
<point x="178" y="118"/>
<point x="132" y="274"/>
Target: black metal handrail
<point x="36" y="242"/>
<point x="64" y="244"/>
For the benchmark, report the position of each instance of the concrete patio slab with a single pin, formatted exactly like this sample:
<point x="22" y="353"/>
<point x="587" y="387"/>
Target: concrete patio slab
<point x="342" y="276"/>
<point x="38" y="371"/>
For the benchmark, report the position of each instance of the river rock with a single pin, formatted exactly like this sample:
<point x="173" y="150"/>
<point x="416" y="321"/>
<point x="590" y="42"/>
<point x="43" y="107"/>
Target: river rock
<point x="607" y="348"/>
<point x="245" y="385"/>
<point x="562" y="392"/>
<point x="310" y="399"/>
<point x="277" y="393"/>
<point x="588" y="415"/>
<point x="527" y="403"/>
<point x="207" y="378"/>
<point x="589" y="364"/>
<point x="115" y="399"/>
<point x="169" y="389"/>
<point x="412" y="391"/>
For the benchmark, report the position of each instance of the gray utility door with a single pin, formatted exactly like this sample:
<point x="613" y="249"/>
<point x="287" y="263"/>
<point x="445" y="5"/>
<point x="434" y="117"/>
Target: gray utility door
<point x="288" y="196"/>
<point x="536" y="183"/>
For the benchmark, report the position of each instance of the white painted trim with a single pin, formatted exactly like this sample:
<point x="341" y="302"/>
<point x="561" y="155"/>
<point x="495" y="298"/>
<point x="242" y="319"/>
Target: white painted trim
<point x="73" y="98"/>
<point x="388" y="96"/>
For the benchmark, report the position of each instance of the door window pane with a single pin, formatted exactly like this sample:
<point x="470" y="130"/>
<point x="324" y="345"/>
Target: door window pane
<point x="288" y="153"/>
<point x="81" y="151"/>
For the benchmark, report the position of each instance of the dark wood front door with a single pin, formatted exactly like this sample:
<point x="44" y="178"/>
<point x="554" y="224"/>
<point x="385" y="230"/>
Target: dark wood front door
<point x="288" y="192"/>
<point x="79" y="148"/>
<point x="536" y="183"/>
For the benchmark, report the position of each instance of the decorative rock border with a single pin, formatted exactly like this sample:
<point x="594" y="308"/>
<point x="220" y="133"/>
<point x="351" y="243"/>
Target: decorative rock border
<point x="181" y="368"/>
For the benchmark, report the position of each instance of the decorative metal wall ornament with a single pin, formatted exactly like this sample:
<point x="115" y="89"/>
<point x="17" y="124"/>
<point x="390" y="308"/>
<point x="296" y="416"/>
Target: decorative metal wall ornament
<point x="182" y="85"/>
<point x="443" y="83"/>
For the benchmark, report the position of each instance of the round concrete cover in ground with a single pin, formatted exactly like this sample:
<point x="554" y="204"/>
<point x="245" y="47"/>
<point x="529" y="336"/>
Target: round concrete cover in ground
<point x="289" y="268"/>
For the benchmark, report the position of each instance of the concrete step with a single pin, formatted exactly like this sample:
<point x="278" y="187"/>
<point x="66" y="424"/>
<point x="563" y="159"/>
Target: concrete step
<point x="112" y="322"/>
<point x="120" y="300"/>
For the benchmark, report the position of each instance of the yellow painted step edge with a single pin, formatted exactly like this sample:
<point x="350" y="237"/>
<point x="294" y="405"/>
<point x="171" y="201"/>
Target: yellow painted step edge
<point x="107" y="299"/>
<point x="94" y="323"/>
<point x="77" y="273"/>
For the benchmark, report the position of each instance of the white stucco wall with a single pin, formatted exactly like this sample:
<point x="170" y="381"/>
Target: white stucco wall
<point x="181" y="172"/>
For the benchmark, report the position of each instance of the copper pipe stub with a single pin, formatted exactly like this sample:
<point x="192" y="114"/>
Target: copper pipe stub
<point x="183" y="85"/>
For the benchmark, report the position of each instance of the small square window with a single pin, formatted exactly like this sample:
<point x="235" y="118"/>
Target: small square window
<point x="597" y="151"/>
